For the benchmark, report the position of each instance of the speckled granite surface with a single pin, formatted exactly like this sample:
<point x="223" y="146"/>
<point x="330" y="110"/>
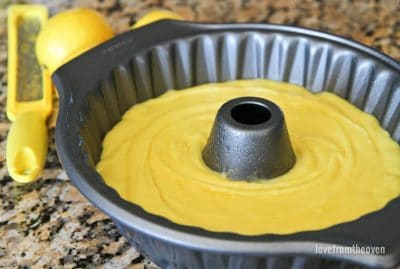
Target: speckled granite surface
<point x="48" y="224"/>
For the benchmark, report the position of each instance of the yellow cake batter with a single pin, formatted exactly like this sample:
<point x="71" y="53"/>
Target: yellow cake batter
<point x="346" y="164"/>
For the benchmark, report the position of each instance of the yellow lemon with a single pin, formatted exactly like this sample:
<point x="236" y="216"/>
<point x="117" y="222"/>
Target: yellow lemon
<point x="68" y="34"/>
<point x="156" y="15"/>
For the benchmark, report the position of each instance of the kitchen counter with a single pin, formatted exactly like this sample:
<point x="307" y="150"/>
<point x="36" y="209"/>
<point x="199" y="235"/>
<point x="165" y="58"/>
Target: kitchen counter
<point x="49" y="223"/>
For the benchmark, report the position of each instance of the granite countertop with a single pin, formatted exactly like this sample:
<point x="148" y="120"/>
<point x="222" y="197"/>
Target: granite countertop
<point x="48" y="223"/>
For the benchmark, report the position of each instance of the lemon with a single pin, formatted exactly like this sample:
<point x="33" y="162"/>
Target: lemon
<point x="156" y="15"/>
<point x="68" y="34"/>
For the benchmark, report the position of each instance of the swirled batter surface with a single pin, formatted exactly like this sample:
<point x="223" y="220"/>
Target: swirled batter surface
<point x="347" y="165"/>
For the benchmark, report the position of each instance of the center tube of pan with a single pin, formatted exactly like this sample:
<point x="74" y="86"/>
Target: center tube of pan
<point x="249" y="140"/>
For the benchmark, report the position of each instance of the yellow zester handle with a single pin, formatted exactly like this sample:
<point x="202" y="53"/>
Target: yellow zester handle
<point x="27" y="146"/>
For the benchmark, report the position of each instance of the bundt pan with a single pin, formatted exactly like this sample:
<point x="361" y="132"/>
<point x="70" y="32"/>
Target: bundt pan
<point x="98" y="87"/>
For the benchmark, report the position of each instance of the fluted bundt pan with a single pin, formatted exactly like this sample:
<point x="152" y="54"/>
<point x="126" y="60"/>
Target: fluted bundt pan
<point x="98" y="87"/>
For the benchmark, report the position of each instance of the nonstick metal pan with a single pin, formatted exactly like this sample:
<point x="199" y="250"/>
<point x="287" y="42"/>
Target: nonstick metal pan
<point x="98" y="87"/>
